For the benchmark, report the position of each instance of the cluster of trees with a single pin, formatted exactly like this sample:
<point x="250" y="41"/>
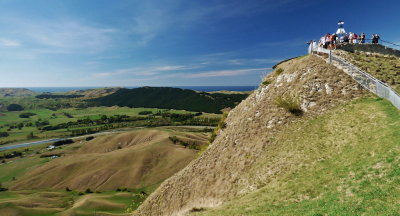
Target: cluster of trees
<point x="145" y="113"/>
<point x="4" y="134"/>
<point x="190" y="145"/>
<point x="116" y="121"/>
<point x="89" y="122"/>
<point x="26" y="115"/>
<point x="11" y="155"/>
<point x="14" y="107"/>
<point x="57" y="96"/>
<point x="63" y="142"/>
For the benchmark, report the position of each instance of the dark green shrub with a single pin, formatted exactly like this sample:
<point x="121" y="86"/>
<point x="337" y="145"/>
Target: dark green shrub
<point x="30" y="136"/>
<point x="26" y="115"/>
<point x="89" y="138"/>
<point x="290" y="104"/>
<point x="145" y="112"/>
<point x="221" y="125"/>
<point x="14" y="107"/>
<point x="4" y="134"/>
<point x="279" y="71"/>
<point x="266" y="82"/>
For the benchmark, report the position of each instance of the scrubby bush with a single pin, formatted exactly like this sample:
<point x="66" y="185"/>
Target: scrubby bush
<point x="221" y="125"/>
<point x="30" y="136"/>
<point x="145" y="112"/>
<point x="26" y="115"/>
<point x="289" y="103"/>
<point x="89" y="138"/>
<point x="279" y="71"/>
<point x="63" y="142"/>
<point x="266" y="82"/>
<point x="4" y="134"/>
<point x="67" y="115"/>
<point x="14" y="107"/>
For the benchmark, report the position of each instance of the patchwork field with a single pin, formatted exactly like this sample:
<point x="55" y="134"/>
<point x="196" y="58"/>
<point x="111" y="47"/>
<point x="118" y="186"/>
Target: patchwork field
<point x="18" y="134"/>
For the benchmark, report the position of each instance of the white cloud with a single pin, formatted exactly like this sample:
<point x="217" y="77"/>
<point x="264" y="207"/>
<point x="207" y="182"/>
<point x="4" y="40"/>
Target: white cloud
<point x="224" y="73"/>
<point x="9" y="43"/>
<point x="58" y="36"/>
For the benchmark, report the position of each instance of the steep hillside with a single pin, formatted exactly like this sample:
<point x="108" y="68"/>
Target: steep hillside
<point x="128" y="160"/>
<point x="248" y="153"/>
<point x="344" y="162"/>
<point x="171" y="98"/>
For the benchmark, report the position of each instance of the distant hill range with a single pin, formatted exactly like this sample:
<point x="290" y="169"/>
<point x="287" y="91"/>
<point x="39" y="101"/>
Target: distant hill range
<point x="89" y="93"/>
<point x="96" y="92"/>
<point x="16" y="92"/>
<point x="171" y="98"/>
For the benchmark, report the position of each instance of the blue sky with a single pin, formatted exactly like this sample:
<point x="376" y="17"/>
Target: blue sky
<point x="169" y="42"/>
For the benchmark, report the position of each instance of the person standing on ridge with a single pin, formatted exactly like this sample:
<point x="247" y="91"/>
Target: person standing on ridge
<point x="362" y="38"/>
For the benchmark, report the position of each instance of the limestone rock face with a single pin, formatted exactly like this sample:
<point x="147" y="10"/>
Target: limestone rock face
<point x="226" y="169"/>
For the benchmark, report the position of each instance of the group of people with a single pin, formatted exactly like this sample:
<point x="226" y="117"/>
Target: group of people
<point x="331" y="40"/>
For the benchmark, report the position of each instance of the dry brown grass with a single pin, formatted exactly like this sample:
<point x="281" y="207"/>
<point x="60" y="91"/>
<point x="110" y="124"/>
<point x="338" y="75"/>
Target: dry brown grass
<point x="222" y="172"/>
<point x="129" y="160"/>
<point x="383" y="67"/>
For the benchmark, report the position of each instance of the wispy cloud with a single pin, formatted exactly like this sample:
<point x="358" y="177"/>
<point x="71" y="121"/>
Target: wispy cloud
<point x="144" y="71"/>
<point x="225" y="73"/>
<point x="58" y="36"/>
<point x="9" y="43"/>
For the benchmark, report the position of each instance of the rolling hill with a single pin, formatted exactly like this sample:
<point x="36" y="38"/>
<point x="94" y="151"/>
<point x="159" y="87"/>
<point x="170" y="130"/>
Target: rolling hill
<point x="16" y="92"/>
<point x="129" y="160"/>
<point x="171" y="98"/>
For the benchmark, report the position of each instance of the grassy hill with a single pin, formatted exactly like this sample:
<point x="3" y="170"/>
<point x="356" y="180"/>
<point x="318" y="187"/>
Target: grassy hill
<point x="128" y="160"/>
<point x="344" y="162"/>
<point x="338" y="156"/>
<point x="16" y="92"/>
<point x="171" y="98"/>
<point x="109" y="175"/>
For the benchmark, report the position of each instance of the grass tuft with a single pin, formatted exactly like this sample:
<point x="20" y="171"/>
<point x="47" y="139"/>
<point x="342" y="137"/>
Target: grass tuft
<point x="279" y="71"/>
<point x="266" y="82"/>
<point x="290" y="104"/>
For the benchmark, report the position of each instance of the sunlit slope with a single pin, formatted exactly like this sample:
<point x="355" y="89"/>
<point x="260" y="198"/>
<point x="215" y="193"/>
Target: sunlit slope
<point x="247" y="154"/>
<point x="129" y="160"/>
<point x="345" y="162"/>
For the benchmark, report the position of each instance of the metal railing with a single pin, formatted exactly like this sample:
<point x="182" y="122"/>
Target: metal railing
<point x="365" y="79"/>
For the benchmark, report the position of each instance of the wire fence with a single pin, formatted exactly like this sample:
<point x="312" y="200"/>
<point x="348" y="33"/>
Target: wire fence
<point x="366" y="80"/>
